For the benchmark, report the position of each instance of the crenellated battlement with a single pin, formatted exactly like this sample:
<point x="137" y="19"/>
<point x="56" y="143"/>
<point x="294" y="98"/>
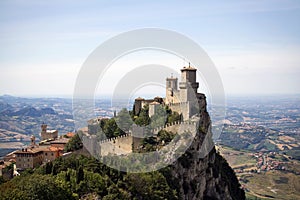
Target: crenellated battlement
<point x="115" y="138"/>
<point x="155" y="130"/>
<point x="123" y="144"/>
<point x="175" y="126"/>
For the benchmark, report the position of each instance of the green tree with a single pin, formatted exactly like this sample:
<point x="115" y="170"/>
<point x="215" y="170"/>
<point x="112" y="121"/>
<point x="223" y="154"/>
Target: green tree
<point x="49" y="167"/>
<point x="143" y="119"/>
<point x="74" y="143"/>
<point x="79" y="175"/>
<point x="124" y="120"/>
<point x="174" y="117"/>
<point x="159" y="118"/>
<point x="33" y="186"/>
<point x="111" y="128"/>
<point x="149" y="186"/>
<point x="165" y="136"/>
<point x="2" y="180"/>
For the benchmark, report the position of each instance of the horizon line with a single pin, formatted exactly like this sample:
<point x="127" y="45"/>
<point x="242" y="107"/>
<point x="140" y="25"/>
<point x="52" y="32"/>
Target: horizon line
<point x="109" y="96"/>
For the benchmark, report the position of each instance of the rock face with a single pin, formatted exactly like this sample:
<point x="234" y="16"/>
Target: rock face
<point x="202" y="176"/>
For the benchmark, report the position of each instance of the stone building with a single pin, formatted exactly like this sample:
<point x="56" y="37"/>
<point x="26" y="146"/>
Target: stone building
<point x="29" y="158"/>
<point x="185" y="100"/>
<point x="139" y="103"/>
<point x="35" y="156"/>
<point x="48" y="150"/>
<point x="51" y="153"/>
<point x="59" y="143"/>
<point x="48" y="134"/>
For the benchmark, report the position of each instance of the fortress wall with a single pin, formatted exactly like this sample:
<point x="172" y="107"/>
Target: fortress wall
<point x="119" y="145"/>
<point x="94" y="128"/>
<point x="180" y="128"/>
<point x="107" y="148"/>
<point x="177" y="127"/>
<point x="125" y="143"/>
<point x="181" y="108"/>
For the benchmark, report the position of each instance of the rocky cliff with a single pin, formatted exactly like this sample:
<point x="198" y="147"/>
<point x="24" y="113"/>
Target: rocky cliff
<point x="201" y="176"/>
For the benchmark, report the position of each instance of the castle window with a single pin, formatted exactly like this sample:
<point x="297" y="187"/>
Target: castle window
<point x="45" y="154"/>
<point x="51" y="154"/>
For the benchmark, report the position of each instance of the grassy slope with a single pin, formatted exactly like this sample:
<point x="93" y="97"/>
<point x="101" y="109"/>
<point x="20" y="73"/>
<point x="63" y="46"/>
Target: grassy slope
<point x="277" y="184"/>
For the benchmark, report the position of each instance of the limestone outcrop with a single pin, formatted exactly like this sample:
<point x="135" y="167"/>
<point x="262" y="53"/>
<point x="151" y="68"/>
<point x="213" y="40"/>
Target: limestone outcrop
<point x="201" y="173"/>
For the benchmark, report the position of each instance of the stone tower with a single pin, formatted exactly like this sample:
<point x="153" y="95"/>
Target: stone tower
<point x="48" y="134"/>
<point x="188" y="85"/>
<point x="172" y="93"/>
<point x="186" y="100"/>
<point x="32" y="139"/>
<point x="44" y="128"/>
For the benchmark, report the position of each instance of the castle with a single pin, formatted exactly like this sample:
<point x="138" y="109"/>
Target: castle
<point x="186" y="100"/>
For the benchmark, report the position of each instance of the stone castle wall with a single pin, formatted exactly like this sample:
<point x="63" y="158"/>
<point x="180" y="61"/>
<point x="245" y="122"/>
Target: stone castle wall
<point x="177" y="127"/>
<point x="125" y="144"/>
<point x="118" y="145"/>
<point x="181" y="108"/>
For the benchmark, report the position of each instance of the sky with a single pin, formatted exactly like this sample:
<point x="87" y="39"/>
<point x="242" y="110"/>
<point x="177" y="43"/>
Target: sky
<point x="254" y="44"/>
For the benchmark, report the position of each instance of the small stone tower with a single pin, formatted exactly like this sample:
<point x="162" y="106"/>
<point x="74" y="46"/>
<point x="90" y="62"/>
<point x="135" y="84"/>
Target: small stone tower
<point x="172" y="93"/>
<point x="44" y="128"/>
<point x="32" y="139"/>
<point x="48" y="134"/>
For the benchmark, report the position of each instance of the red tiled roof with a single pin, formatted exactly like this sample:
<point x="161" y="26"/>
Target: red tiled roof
<point x="70" y="134"/>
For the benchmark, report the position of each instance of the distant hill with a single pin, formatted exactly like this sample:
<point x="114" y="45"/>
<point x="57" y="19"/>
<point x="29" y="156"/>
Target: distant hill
<point x="25" y="115"/>
<point x="4" y="106"/>
<point x="33" y="112"/>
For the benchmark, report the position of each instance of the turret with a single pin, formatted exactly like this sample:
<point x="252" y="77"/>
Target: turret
<point x="188" y="85"/>
<point x="48" y="134"/>
<point x="32" y="139"/>
<point x="171" y="90"/>
<point x="44" y="127"/>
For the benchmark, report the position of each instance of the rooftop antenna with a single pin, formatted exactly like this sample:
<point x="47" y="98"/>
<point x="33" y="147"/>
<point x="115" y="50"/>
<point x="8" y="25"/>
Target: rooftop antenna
<point x="189" y="65"/>
<point x="171" y="75"/>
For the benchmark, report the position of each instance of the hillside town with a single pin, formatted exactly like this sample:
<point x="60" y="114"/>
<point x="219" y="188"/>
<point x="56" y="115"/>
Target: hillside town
<point x="48" y="149"/>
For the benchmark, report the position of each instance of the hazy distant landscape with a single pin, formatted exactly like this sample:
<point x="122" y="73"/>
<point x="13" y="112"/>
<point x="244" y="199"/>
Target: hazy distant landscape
<point x="261" y="141"/>
<point x="263" y="124"/>
<point x="268" y="125"/>
<point x="255" y="123"/>
<point x="22" y="117"/>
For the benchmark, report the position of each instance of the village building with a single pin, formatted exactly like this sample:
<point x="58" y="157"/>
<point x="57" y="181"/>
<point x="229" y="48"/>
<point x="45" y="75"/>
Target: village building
<point x="48" y="134"/>
<point x="50" y="148"/>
